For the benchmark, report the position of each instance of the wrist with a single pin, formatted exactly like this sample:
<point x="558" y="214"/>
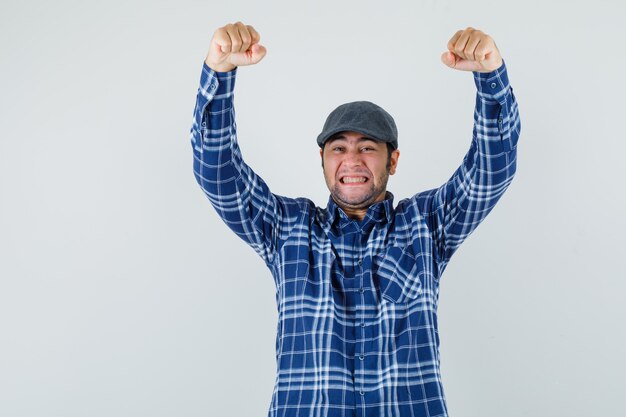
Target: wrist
<point x="220" y="67"/>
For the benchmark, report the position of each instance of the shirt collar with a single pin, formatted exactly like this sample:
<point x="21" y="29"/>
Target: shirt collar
<point x="381" y="210"/>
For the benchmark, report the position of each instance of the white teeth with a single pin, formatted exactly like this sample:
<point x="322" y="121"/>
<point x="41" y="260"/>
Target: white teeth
<point x="352" y="179"/>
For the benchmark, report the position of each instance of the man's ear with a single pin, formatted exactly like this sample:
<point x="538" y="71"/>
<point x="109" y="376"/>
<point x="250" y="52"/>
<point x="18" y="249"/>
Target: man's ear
<point x="322" y="156"/>
<point x="395" y="154"/>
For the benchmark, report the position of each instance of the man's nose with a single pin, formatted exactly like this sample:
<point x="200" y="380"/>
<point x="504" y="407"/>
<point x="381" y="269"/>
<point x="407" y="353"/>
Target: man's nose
<point x="353" y="157"/>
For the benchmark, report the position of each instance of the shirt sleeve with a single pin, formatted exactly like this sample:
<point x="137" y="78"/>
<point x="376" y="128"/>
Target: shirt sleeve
<point x="455" y="209"/>
<point x="241" y="198"/>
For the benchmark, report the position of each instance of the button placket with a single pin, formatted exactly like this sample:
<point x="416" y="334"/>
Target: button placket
<point x="360" y="343"/>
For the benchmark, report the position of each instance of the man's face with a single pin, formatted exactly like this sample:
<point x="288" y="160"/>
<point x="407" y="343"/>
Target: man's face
<point x="355" y="169"/>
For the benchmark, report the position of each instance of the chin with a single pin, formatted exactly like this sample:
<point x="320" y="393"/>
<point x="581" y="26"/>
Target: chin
<point x="361" y="199"/>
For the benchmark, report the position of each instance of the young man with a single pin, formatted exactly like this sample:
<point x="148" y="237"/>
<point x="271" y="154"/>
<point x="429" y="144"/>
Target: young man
<point x="357" y="282"/>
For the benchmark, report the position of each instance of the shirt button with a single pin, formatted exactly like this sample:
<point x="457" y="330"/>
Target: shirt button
<point x="362" y="324"/>
<point x="493" y="85"/>
<point x="500" y="120"/>
<point x="361" y="290"/>
<point x="360" y="262"/>
<point x="212" y="86"/>
<point x="361" y="357"/>
<point x="361" y="392"/>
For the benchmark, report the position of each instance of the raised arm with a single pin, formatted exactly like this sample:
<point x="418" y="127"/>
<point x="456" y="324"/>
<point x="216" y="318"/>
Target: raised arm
<point x="241" y="198"/>
<point x="457" y="207"/>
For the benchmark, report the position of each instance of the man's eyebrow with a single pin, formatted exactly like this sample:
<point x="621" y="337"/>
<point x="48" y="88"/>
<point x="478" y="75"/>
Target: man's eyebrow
<point x="361" y="139"/>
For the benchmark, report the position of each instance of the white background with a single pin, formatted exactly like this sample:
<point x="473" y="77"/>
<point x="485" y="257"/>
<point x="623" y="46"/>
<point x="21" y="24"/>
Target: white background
<point x="122" y="293"/>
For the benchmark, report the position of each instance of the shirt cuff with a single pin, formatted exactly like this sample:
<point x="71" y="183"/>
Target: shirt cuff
<point x="215" y="83"/>
<point x="492" y="86"/>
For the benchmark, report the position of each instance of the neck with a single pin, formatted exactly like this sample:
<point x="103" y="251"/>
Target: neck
<point x="358" y="214"/>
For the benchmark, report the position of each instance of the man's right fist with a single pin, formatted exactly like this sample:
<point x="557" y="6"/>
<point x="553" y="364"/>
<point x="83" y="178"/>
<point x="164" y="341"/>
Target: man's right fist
<point x="234" y="45"/>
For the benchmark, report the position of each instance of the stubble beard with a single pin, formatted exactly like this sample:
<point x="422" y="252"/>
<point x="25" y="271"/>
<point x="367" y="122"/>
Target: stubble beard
<point x="363" y="199"/>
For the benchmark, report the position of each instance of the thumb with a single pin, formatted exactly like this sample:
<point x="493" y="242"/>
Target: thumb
<point x="449" y="59"/>
<point x="258" y="52"/>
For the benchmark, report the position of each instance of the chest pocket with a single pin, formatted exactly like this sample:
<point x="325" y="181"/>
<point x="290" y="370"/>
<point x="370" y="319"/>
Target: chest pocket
<point x="398" y="274"/>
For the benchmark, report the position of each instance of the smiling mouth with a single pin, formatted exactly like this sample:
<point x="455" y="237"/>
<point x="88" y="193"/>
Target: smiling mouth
<point x="353" y="180"/>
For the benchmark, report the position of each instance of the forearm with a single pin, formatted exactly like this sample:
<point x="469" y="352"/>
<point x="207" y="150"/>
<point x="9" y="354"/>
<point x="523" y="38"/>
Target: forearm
<point x="496" y="117"/>
<point x="211" y="135"/>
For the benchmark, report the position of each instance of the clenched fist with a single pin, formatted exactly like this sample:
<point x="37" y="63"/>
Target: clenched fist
<point x="234" y="45"/>
<point x="472" y="50"/>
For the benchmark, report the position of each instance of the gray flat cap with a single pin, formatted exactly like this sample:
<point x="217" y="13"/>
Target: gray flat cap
<point x="360" y="116"/>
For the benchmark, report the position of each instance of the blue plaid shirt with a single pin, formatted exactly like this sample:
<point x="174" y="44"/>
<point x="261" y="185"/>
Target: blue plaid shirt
<point x="357" y="300"/>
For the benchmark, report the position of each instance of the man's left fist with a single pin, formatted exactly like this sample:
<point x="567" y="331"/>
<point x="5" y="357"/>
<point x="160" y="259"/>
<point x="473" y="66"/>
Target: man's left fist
<point x="472" y="50"/>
